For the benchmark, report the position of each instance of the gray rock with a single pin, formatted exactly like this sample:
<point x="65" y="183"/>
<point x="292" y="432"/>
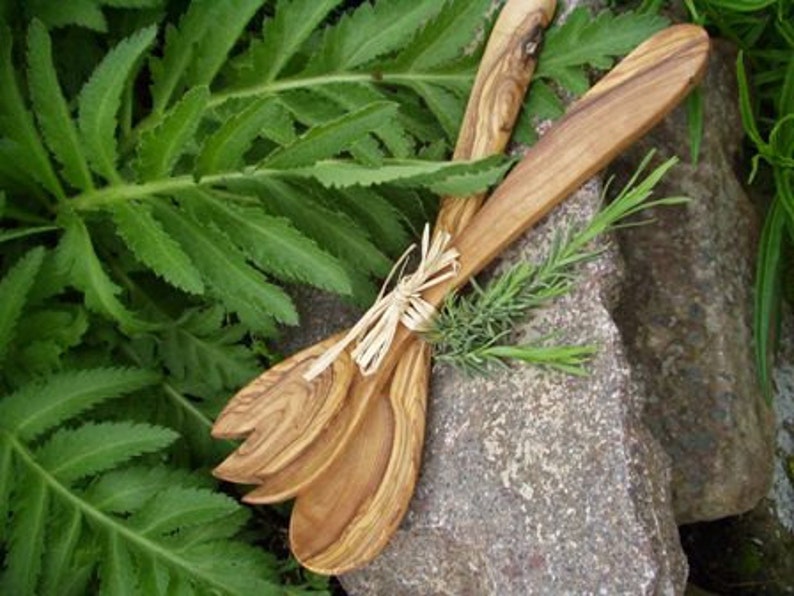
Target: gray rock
<point x="535" y="482"/>
<point x="752" y="553"/>
<point x="686" y="314"/>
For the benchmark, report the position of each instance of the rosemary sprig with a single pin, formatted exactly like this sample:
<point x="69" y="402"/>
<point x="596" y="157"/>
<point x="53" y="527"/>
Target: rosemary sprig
<point x="470" y="330"/>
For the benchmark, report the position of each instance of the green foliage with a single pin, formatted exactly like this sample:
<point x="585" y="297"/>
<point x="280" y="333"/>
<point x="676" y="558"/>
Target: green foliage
<point x="169" y="171"/>
<point x="470" y="330"/>
<point x="764" y="32"/>
<point x="582" y="41"/>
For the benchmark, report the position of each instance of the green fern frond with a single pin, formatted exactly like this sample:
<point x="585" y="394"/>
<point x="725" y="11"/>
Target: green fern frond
<point x="16" y="123"/>
<point x="52" y="111"/>
<point x="332" y="230"/>
<point x="40" y="406"/>
<point x="127" y="490"/>
<point x="76" y="259"/>
<point x="444" y="38"/>
<point x="271" y="242"/>
<point x="327" y="140"/>
<point x="213" y="47"/>
<point x="204" y="357"/>
<point x="584" y="40"/>
<point x="224" y="149"/>
<point x="72" y="454"/>
<point x="178" y="508"/>
<point x="161" y="147"/>
<point x="197" y="47"/>
<point x="82" y="13"/>
<point x="150" y="243"/>
<point x="372" y="212"/>
<point x="282" y="38"/>
<point x="14" y="288"/>
<point x="228" y="277"/>
<point x="147" y="525"/>
<point x="100" y="99"/>
<point x="368" y="33"/>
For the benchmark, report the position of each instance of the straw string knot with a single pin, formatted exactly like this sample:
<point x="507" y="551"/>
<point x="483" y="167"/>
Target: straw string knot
<point x="404" y="304"/>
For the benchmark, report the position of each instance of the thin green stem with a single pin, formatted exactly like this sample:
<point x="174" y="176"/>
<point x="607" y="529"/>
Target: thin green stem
<point x="118" y="193"/>
<point x="399" y="78"/>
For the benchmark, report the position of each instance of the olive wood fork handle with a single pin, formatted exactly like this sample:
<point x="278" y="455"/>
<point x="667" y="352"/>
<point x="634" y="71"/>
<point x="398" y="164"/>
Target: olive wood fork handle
<point x="617" y="111"/>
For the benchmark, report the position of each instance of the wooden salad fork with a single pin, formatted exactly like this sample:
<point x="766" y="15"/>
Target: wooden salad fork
<point x="346" y="515"/>
<point x="296" y="429"/>
<point x="337" y="521"/>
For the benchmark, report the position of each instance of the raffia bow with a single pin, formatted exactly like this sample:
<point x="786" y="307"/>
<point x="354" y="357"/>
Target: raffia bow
<point x="404" y="304"/>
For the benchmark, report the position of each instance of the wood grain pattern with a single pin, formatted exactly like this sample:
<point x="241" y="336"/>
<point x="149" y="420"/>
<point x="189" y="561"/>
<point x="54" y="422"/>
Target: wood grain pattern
<point x="294" y="438"/>
<point x="278" y="412"/>
<point x="617" y="111"/>
<point x="621" y="108"/>
<point x="356" y="530"/>
<point x="355" y="533"/>
<point x="507" y="66"/>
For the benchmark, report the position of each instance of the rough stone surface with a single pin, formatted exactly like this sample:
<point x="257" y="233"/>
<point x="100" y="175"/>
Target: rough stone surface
<point x="753" y="553"/>
<point x="535" y="482"/>
<point x="686" y="314"/>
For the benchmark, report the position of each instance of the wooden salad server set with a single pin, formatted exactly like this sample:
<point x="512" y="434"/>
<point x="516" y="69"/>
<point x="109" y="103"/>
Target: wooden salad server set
<point x="348" y="446"/>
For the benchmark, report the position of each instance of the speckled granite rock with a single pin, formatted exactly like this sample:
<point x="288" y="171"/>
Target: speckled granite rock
<point x="535" y="482"/>
<point x="686" y="315"/>
<point x="753" y="554"/>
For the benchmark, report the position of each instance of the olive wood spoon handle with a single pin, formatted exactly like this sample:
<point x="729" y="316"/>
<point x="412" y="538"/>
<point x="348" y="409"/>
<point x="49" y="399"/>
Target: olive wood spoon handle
<point x="326" y="535"/>
<point x="281" y="414"/>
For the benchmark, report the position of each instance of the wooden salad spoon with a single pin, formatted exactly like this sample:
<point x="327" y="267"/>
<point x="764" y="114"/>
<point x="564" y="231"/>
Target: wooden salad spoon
<point x="282" y="415"/>
<point x="346" y="516"/>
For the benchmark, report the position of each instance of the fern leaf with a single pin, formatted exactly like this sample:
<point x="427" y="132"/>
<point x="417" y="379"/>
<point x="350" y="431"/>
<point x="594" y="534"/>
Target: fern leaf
<point x="229" y="278"/>
<point x="225" y="148"/>
<point x="92" y="448"/>
<point x="444" y="38"/>
<point x="126" y="491"/>
<point x="210" y="54"/>
<point x="407" y="172"/>
<point x="52" y="111"/>
<point x="328" y="139"/>
<point x="198" y="46"/>
<point x="117" y="572"/>
<point x="177" y="508"/>
<point x="14" y="289"/>
<point x="42" y="338"/>
<point x="330" y="229"/>
<point x="27" y="537"/>
<point x="583" y="40"/>
<point x="40" y="406"/>
<point x="220" y="529"/>
<point x="445" y="106"/>
<point x="67" y="528"/>
<point x="17" y="124"/>
<point x="75" y="258"/>
<point x="83" y="13"/>
<point x="161" y="146"/>
<point x="369" y="32"/>
<point x="146" y="238"/>
<point x="100" y="98"/>
<point x="371" y="212"/>
<point x="352" y="97"/>
<point x="282" y="37"/>
<point x="273" y="244"/>
<point x="240" y="568"/>
<point x="486" y="173"/>
<point x="203" y="357"/>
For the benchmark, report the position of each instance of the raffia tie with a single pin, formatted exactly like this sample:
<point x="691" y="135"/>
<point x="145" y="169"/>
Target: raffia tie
<point x="404" y="304"/>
